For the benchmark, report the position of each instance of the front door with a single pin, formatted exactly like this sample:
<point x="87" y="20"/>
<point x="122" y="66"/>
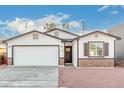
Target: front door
<point x="68" y="54"/>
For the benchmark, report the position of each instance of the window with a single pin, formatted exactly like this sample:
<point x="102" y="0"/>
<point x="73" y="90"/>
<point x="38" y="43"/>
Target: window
<point x="95" y="49"/>
<point x="35" y="36"/>
<point x="67" y="49"/>
<point x="56" y="34"/>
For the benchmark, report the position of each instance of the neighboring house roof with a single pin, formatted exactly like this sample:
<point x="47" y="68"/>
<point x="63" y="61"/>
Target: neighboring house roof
<point x="31" y="32"/>
<point x="117" y="30"/>
<point x="62" y="31"/>
<point x="98" y="32"/>
<point x="117" y="27"/>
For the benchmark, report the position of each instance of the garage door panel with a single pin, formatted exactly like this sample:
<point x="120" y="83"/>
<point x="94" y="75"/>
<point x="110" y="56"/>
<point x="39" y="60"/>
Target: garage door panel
<point x="35" y="55"/>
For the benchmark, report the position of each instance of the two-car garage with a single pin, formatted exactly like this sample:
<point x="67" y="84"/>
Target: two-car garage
<point x="25" y="50"/>
<point x="35" y="55"/>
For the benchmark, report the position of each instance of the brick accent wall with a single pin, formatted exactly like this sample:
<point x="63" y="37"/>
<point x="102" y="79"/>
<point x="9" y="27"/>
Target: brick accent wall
<point x="9" y="61"/>
<point x="99" y="62"/>
<point x="61" y="61"/>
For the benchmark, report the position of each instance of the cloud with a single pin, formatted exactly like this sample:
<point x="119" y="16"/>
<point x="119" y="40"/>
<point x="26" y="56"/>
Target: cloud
<point x="53" y="18"/>
<point x="4" y="22"/>
<point x="103" y="8"/>
<point x="114" y="12"/>
<point x="5" y="31"/>
<point x="74" y="24"/>
<point x="23" y="25"/>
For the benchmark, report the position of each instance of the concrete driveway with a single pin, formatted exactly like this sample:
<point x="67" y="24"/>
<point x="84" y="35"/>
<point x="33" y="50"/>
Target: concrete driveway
<point x="29" y="77"/>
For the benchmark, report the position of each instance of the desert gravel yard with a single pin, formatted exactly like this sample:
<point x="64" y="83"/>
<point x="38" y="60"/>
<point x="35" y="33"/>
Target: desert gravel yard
<point x="29" y="77"/>
<point x="91" y="77"/>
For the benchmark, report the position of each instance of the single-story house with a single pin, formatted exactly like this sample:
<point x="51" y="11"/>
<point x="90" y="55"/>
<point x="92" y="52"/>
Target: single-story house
<point x="59" y="47"/>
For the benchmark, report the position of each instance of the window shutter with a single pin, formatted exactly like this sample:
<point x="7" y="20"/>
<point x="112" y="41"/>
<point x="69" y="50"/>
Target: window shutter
<point x="106" y="49"/>
<point x="86" y="49"/>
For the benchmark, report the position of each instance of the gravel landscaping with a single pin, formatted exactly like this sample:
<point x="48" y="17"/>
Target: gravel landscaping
<point x="91" y="77"/>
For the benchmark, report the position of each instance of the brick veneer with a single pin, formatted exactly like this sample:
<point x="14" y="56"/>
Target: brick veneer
<point x="99" y="62"/>
<point x="9" y="61"/>
<point x="61" y="61"/>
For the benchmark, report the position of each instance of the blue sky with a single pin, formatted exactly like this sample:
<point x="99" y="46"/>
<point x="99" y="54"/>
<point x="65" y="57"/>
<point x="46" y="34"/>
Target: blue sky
<point x="95" y="16"/>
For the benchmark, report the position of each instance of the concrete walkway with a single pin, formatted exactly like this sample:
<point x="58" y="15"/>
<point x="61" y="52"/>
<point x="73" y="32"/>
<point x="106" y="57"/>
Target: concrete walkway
<point x="29" y="77"/>
<point x="91" y="77"/>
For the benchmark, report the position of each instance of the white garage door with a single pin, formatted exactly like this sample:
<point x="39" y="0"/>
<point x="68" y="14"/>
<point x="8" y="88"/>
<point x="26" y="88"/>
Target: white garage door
<point x="35" y="56"/>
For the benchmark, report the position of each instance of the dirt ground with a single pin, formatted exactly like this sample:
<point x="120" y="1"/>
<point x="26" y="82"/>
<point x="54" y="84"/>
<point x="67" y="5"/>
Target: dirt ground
<point x="91" y="77"/>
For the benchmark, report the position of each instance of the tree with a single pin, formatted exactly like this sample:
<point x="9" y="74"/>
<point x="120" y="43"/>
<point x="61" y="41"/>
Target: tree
<point x="66" y="26"/>
<point x="50" y="26"/>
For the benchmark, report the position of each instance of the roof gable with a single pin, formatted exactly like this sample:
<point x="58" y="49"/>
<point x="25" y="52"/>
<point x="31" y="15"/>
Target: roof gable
<point x="62" y="31"/>
<point x="29" y="33"/>
<point x="98" y="32"/>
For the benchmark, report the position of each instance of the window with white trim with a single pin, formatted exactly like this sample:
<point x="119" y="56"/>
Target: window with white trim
<point x="96" y="49"/>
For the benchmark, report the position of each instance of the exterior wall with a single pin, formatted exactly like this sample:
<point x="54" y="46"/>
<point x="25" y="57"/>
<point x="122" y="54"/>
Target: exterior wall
<point x="74" y="53"/>
<point x="28" y="40"/>
<point x="86" y="61"/>
<point x="119" y="49"/>
<point x="101" y="37"/>
<point x="120" y="63"/>
<point x="118" y="31"/>
<point x="68" y="43"/>
<point x="9" y="61"/>
<point x="62" y="50"/>
<point x="62" y="35"/>
<point x="104" y="62"/>
<point x="61" y="61"/>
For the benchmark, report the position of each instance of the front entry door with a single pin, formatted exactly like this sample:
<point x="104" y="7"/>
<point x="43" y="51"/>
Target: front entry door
<point x="68" y="54"/>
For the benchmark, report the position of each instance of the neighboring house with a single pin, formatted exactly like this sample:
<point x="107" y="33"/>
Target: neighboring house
<point x="2" y="52"/>
<point x="118" y="31"/>
<point x="59" y="47"/>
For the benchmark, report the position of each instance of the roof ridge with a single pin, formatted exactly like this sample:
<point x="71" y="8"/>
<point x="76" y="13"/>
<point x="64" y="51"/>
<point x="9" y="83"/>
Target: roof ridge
<point x="61" y="30"/>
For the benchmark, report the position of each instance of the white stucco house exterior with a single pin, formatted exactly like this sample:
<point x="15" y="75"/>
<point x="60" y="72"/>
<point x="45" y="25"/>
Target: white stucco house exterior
<point x="59" y="47"/>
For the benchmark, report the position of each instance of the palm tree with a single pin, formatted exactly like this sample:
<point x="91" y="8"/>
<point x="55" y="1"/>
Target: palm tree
<point x="50" y="26"/>
<point x="66" y="26"/>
